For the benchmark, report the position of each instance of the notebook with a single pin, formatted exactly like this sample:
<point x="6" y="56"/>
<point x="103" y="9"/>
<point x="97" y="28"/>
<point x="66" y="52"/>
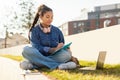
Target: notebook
<point x="64" y="47"/>
<point x="100" y="62"/>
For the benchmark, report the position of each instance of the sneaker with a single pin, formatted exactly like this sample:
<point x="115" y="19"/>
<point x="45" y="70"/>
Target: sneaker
<point x="68" y="65"/>
<point x="26" y="65"/>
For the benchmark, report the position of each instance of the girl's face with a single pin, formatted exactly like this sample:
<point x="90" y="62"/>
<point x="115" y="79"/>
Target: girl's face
<point x="46" y="19"/>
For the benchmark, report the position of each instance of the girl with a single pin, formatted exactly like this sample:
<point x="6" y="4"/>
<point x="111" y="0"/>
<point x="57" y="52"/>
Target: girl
<point x="46" y="39"/>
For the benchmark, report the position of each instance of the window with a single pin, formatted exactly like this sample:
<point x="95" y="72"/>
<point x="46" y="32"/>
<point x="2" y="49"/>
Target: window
<point x="79" y="24"/>
<point x="119" y="21"/>
<point x="82" y="24"/>
<point x="88" y="24"/>
<point x="75" y="25"/>
<point x="97" y="24"/>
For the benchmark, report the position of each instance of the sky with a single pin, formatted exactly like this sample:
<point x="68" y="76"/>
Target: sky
<point x="64" y="10"/>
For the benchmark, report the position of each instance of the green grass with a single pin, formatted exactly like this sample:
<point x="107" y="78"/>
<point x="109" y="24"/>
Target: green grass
<point x="110" y="72"/>
<point x="17" y="58"/>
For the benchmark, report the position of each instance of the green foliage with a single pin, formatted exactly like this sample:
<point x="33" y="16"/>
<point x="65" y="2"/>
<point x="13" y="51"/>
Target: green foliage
<point x="17" y="58"/>
<point x="27" y="12"/>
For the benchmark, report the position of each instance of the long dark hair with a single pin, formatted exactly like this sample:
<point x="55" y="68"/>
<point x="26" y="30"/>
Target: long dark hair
<point x="42" y="9"/>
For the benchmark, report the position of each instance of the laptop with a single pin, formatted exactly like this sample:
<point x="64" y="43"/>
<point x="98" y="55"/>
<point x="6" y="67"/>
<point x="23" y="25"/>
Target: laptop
<point x="99" y="64"/>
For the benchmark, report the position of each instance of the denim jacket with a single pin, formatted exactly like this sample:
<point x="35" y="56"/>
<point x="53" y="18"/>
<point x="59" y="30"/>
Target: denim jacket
<point x="44" y="41"/>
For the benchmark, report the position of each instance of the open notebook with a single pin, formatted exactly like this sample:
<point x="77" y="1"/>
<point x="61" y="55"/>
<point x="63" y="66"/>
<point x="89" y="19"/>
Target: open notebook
<point x="64" y="47"/>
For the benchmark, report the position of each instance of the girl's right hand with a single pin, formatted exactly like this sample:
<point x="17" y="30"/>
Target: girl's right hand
<point x="60" y="45"/>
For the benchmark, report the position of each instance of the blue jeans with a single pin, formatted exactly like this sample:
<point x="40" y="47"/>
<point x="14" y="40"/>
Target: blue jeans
<point x="52" y="61"/>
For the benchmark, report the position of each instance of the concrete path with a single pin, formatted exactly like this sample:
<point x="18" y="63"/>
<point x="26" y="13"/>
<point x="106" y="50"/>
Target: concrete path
<point x="16" y="50"/>
<point x="9" y="70"/>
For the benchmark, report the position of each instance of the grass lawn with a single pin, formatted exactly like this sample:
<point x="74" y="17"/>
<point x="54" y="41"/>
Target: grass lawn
<point x="110" y="72"/>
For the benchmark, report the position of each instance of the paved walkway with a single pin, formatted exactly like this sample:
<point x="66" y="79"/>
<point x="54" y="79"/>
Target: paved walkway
<point x="9" y="70"/>
<point x="16" y="50"/>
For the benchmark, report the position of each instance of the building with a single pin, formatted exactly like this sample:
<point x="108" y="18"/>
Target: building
<point x="105" y="11"/>
<point x="102" y="16"/>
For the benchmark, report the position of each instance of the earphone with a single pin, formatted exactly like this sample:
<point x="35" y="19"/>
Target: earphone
<point x="46" y="30"/>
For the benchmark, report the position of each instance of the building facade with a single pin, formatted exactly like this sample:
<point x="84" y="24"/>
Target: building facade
<point x="103" y="16"/>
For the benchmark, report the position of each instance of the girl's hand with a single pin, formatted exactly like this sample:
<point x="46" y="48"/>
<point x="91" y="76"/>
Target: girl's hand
<point x="60" y="45"/>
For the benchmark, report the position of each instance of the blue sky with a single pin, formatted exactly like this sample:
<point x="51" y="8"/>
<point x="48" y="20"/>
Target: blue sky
<point x="64" y="10"/>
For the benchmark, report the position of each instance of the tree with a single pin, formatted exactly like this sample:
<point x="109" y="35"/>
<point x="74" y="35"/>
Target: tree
<point x="27" y="11"/>
<point x="8" y="24"/>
